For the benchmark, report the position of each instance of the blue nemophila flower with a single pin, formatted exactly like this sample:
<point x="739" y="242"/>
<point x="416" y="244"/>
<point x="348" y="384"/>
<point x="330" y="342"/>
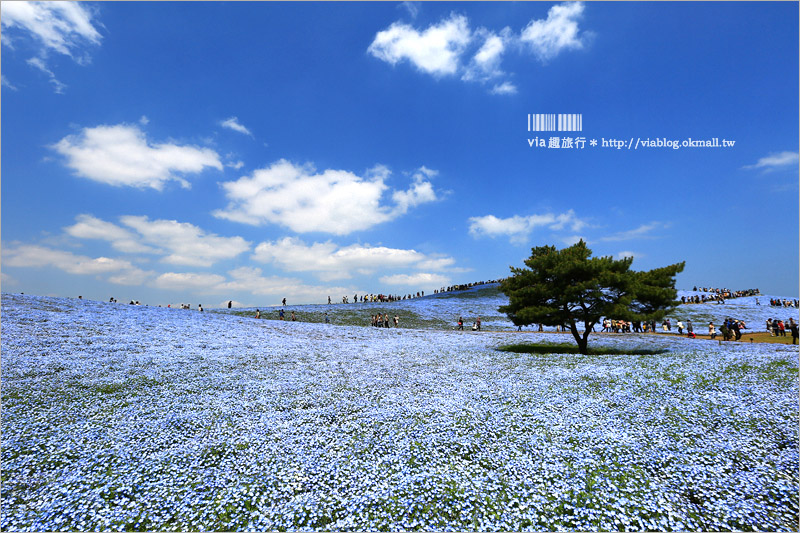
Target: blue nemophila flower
<point x="164" y="421"/>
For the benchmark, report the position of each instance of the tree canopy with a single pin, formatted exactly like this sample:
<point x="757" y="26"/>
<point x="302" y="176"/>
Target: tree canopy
<point x="570" y="288"/>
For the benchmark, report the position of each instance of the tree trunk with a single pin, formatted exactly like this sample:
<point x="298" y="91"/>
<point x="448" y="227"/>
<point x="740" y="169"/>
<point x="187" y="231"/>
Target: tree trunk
<point x="581" y="340"/>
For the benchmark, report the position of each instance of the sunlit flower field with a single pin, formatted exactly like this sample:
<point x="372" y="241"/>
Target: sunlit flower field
<point x="118" y="417"/>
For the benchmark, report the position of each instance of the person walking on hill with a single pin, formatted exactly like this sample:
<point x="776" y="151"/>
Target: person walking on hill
<point x="460" y="324"/>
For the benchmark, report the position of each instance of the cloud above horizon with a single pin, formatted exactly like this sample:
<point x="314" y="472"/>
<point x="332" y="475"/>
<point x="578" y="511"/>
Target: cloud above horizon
<point x="179" y="243"/>
<point x="518" y="228"/>
<point x="776" y="161"/>
<point x="329" y="261"/>
<point x="65" y="28"/>
<point x="303" y="200"/>
<point x="121" y="155"/>
<point x="450" y="47"/>
<point x="234" y="124"/>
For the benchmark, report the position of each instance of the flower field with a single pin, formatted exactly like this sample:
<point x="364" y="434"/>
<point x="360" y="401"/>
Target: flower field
<point x="118" y="417"/>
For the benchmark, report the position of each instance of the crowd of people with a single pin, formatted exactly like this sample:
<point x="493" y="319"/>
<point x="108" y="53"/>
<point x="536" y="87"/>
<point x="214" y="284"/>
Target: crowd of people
<point x="778" y="302"/>
<point x="717" y="295"/>
<point x="385" y="298"/>
<point x="383" y="321"/>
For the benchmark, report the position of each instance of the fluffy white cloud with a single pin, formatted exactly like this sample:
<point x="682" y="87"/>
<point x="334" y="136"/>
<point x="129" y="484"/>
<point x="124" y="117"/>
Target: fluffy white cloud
<point x="254" y="282"/>
<point x="180" y="281"/>
<point x="122" y="156"/>
<point x="333" y="201"/>
<point x="35" y="256"/>
<point x="187" y="244"/>
<point x="485" y="64"/>
<point x="89" y="227"/>
<point x="504" y="88"/>
<point x="775" y="161"/>
<point x="421" y="191"/>
<point x="233" y="124"/>
<point x="63" y="27"/>
<point x="546" y="38"/>
<point x="452" y="48"/>
<point x="421" y="279"/>
<point x="329" y="262"/>
<point x="179" y="242"/>
<point x="518" y="228"/>
<point x="435" y="50"/>
<point x="627" y="254"/>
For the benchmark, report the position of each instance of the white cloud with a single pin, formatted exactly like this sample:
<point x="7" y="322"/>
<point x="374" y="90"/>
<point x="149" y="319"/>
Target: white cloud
<point x="776" y="161"/>
<point x="435" y="50"/>
<point x="236" y="165"/>
<point x="546" y="38"/>
<point x="411" y="7"/>
<point x="642" y="232"/>
<point x="452" y="48"/>
<point x="504" y="88"/>
<point x="5" y="279"/>
<point x="39" y="64"/>
<point x="63" y="27"/>
<point x="122" y="156"/>
<point x="627" y="254"/>
<point x="253" y="281"/>
<point x="518" y="228"/>
<point x="303" y="200"/>
<point x="185" y="243"/>
<point x="35" y="256"/>
<point x="5" y="83"/>
<point x="233" y="124"/>
<point x="188" y="281"/>
<point x="89" y="227"/>
<point x="485" y="64"/>
<point x="179" y="243"/>
<point x="421" y="191"/>
<point x="328" y="261"/>
<point x="416" y="280"/>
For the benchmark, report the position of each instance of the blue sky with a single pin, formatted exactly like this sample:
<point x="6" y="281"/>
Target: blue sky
<point x="246" y="151"/>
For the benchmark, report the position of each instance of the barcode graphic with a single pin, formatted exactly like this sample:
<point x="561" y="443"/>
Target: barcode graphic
<point x="555" y="122"/>
<point x="541" y="122"/>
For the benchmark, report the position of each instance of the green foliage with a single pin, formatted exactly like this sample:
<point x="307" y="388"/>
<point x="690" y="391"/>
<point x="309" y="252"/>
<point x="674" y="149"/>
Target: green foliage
<point x="570" y="288"/>
<point x="561" y="348"/>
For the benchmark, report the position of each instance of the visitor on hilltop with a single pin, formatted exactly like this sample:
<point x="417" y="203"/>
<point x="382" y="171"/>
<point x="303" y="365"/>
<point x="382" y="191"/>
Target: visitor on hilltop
<point x="327" y="320"/>
<point x="258" y="313"/>
<point x="294" y="318"/>
<point x="782" y="328"/>
<point x="396" y="321"/>
<point x="200" y="307"/>
<point x="689" y="327"/>
<point x="680" y="327"/>
<point x="281" y="314"/>
<point x="460" y="324"/>
<point x="794" y="328"/>
<point x="230" y="303"/>
<point x="769" y="326"/>
<point x="478" y="323"/>
<point x="711" y="331"/>
<point x="283" y="302"/>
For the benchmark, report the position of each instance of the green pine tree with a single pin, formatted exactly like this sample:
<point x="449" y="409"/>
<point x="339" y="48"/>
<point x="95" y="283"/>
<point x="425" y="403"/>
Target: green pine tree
<point x="570" y="288"/>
